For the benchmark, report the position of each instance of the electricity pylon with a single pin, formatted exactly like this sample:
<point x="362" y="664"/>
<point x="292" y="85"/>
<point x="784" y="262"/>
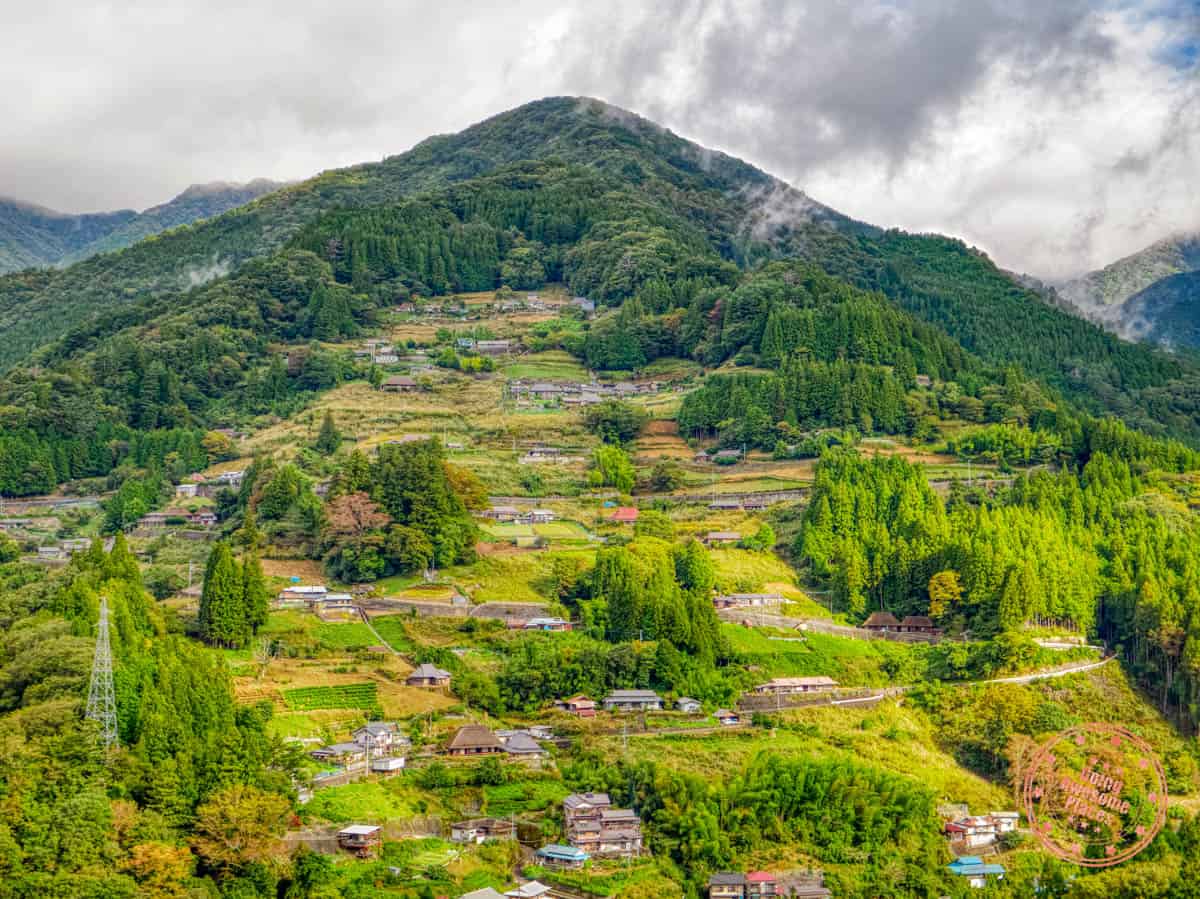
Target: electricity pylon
<point x="102" y="701"/>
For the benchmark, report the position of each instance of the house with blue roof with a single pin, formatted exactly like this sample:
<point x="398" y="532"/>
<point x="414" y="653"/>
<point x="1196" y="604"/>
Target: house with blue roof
<point x="976" y="872"/>
<point x="555" y="855"/>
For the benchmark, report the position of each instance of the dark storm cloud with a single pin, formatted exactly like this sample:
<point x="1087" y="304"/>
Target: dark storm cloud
<point x="826" y="80"/>
<point x="987" y="119"/>
<point x="1055" y="134"/>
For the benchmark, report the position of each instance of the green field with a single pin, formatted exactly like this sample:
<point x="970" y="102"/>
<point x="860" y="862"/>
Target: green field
<point x="391" y="628"/>
<point x="366" y="801"/>
<point x="349" y="636"/>
<point x="550" y="366"/>
<point x="343" y="696"/>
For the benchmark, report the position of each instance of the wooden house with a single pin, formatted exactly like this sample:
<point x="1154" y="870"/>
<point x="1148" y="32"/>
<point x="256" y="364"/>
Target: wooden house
<point x="480" y="830"/>
<point x="882" y="621"/>
<point x="427" y="675"/>
<point x="362" y="840"/>
<point x="556" y="855"/>
<point x="624" y="515"/>
<point x="580" y="706"/>
<point x="918" y="624"/>
<point x="633" y="701"/>
<point x="474" y="739"/>
<point x="721" y="538"/>
<point x="785" y="686"/>
<point x="399" y="384"/>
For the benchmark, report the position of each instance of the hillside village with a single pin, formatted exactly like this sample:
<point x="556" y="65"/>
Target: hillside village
<point x="379" y="681"/>
<point x="537" y="513"/>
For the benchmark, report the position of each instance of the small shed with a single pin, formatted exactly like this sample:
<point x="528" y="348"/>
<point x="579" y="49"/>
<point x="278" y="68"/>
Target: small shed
<point x="362" y="840"/>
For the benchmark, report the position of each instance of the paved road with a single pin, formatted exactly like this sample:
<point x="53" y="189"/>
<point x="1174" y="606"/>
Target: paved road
<point x="1042" y="675"/>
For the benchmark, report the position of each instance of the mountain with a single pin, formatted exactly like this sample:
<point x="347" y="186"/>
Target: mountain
<point x="1148" y="295"/>
<point x="740" y="200"/>
<point x="652" y="209"/>
<point x="32" y="236"/>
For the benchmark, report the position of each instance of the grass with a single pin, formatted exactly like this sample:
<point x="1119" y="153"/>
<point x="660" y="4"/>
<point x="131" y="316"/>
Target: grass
<point x="889" y="736"/>
<point x="744" y="571"/>
<point x="374" y="801"/>
<point x="523" y="796"/>
<point x="344" y="637"/>
<point x="392" y="629"/>
<point x="776" y="653"/>
<point x="550" y="366"/>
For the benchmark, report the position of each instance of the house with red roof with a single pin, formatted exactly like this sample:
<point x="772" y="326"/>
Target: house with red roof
<point x="624" y="515"/>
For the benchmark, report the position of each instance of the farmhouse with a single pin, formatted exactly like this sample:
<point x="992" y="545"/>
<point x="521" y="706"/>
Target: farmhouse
<point x="381" y="737"/>
<point x="759" y="884"/>
<point x="727" y="885"/>
<point x="547" y="624"/>
<point x="480" y="830"/>
<point x="361" y="839"/>
<point x="399" y="384"/>
<point x="501" y="513"/>
<point x="539" y="516"/>
<point x="474" y="739"/>
<point x="580" y="706"/>
<point x="718" y="538"/>
<point x="971" y="832"/>
<point x="918" y="624"/>
<point x="785" y="686"/>
<point x="341" y="753"/>
<point x="530" y="890"/>
<point x="309" y="594"/>
<point x="555" y="855"/>
<point x="882" y="621"/>
<point x="974" y="831"/>
<point x="594" y="826"/>
<point x="186" y="490"/>
<point x="727" y="717"/>
<point x="385" y="358"/>
<point x="584" y="305"/>
<point x="427" y="675"/>
<point x="624" y="515"/>
<point x="633" y="701"/>
<point x="522" y="745"/>
<point x="747" y="600"/>
<point x="492" y="347"/>
<point x="688" y="705"/>
<point x="975" y="871"/>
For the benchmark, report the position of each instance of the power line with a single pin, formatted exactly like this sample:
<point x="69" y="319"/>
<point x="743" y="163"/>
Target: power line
<point x="102" y="701"/>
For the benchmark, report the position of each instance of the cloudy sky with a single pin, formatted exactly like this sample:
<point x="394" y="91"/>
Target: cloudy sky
<point x="1056" y="135"/>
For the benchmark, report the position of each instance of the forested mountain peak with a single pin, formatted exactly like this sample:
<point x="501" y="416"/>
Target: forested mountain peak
<point x="1147" y="295"/>
<point x="742" y="203"/>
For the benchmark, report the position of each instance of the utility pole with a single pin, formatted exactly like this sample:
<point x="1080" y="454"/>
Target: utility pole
<point x="102" y="702"/>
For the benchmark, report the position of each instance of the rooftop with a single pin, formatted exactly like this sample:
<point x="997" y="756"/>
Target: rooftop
<point x="475" y="736"/>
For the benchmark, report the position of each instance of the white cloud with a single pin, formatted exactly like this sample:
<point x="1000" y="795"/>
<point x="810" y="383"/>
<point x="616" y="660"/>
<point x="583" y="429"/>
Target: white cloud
<point x="1054" y="135"/>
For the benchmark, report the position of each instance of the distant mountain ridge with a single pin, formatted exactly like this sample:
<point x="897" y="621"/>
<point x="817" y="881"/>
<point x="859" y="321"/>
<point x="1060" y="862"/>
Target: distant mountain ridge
<point x="32" y="236"/>
<point x="1153" y="294"/>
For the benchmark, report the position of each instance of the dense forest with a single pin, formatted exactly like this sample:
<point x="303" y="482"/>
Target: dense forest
<point x="194" y="765"/>
<point x="1098" y="546"/>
